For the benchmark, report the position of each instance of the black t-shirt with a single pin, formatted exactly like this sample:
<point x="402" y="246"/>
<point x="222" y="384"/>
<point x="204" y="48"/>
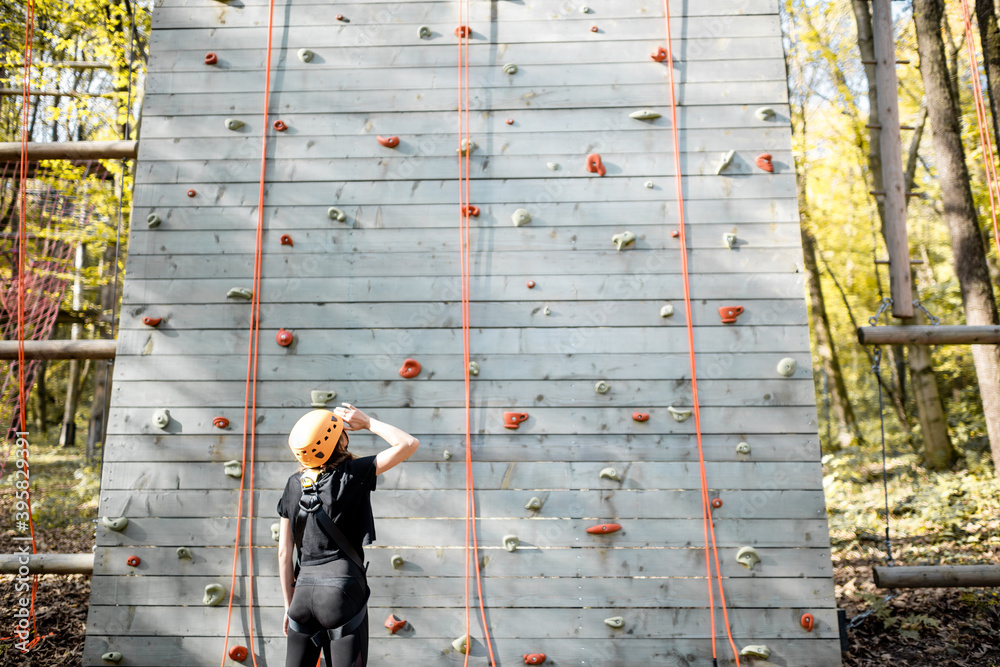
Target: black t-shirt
<point x="346" y="498"/>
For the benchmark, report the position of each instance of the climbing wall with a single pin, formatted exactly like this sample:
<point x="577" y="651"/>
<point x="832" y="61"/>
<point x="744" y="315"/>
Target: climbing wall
<point x="577" y="338"/>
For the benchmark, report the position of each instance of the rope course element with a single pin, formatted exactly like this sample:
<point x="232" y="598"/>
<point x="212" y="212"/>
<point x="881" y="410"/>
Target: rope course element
<point x="708" y="527"/>
<point x="464" y="34"/>
<point x="250" y="391"/>
<point x="877" y="370"/>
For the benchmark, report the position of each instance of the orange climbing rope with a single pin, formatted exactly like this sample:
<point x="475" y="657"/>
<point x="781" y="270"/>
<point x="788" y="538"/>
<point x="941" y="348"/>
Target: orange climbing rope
<point x="464" y="33"/>
<point x="992" y="182"/>
<point x="250" y="398"/>
<point x="708" y="528"/>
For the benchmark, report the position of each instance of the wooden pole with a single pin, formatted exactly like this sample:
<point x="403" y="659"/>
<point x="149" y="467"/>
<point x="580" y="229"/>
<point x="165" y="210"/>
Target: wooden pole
<point x="60" y="349"/>
<point x="930" y="335"/>
<point x="17" y="92"/>
<point x="10" y="151"/>
<point x="890" y="142"/>
<point x="48" y="563"/>
<point x="936" y="576"/>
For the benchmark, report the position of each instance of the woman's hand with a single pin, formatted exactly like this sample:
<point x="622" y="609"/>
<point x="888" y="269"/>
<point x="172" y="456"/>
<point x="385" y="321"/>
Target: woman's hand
<point x="284" y="625"/>
<point x="354" y="419"/>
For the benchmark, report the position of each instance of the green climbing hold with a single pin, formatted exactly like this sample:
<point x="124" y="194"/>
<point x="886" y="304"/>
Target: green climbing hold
<point x="234" y="123"/>
<point x="623" y="239"/>
<point x="117" y="524"/>
<point x="644" y="114"/>
<point x="747" y="557"/>
<point x="305" y="55"/>
<point x="610" y="473"/>
<point x="616" y="622"/>
<point x="153" y="220"/>
<point x="756" y="651"/>
<point x="184" y="552"/>
<point x="534" y="504"/>
<point x="424" y="32"/>
<point x="319" y="399"/>
<point x="510" y="542"/>
<point x="112" y="656"/>
<point x="397" y="561"/>
<point x="214" y="594"/>
<point x="461" y="644"/>
<point x="240" y="293"/>
<point x="510" y="68"/>
<point x="602" y="387"/>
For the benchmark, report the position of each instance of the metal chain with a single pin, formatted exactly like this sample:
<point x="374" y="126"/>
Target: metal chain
<point x="934" y="319"/>
<point x="856" y="621"/>
<point x="885" y="305"/>
<point x="876" y="369"/>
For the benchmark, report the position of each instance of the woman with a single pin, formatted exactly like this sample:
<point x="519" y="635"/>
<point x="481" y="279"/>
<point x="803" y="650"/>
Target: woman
<point x="326" y="513"/>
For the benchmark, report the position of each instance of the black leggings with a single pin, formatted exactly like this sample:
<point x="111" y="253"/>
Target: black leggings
<point x="328" y="596"/>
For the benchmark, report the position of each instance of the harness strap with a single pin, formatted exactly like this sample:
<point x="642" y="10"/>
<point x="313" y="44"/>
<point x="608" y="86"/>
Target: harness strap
<point x="319" y="638"/>
<point x="310" y="503"/>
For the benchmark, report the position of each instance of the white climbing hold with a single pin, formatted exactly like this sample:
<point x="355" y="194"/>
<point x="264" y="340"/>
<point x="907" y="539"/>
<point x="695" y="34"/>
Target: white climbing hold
<point x="756" y="651"/>
<point x="306" y="55"/>
<point x="275" y="531"/>
<point x="397" y="561"/>
<point x="335" y="213"/>
<point x="447" y="455"/>
<point x="616" y="622"/>
<point x="112" y="656"/>
<point x="467" y="146"/>
<point x="610" y="473"/>
<point x="473" y="368"/>
<point x="649" y="185"/>
<point x="116" y="524"/>
<point x="602" y="387"/>
<point x="521" y="217"/>
<point x="240" y="292"/>
<point x="729" y="239"/>
<point x="214" y="594"/>
<point x="666" y="311"/>
<point x="679" y="414"/>
<point x="725" y="161"/>
<point x="644" y="114"/>
<point x="765" y="113"/>
<point x="747" y="557"/>
<point x="743" y="448"/>
<point x="461" y="644"/>
<point x="786" y="367"/>
<point x="234" y="123"/>
<point x="546" y="311"/>
<point x="161" y="418"/>
<point x="534" y="504"/>
<point x="510" y="542"/>
<point x="552" y="165"/>
<point x="584" y="9"/>
<point x="319" y="399"/>
<point x="623" y="239"/>
<point x="233" y="469"/>
<point x="510" y="68"/>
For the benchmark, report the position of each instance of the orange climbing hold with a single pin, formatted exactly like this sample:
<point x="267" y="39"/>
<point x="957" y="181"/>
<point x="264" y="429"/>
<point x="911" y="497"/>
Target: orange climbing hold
<point x="531" y="284"/>
<point x="514" y="419"/>
<point x="463" y="31"/>
<point x="133" y="561"/>
<point x="152" y="321"/>
<point x="284" y="337"/>
<point x="764" y="162"/>
<point x="717" y="503"/>
<point x="640" y="416"/>
<point x="192" y="193"/>
<point x="534" y="658"/>
<point x="410" y="369"/>
<point x="730" y="313"/>
<point x="659" y="55"/>
<point x="594" y="164"/>
<point x="604" y="528"/>
<point x="286" y="240"/>
<point x="388" y="142"/>
<point x="280" y="126"/>
<point x="211" y="59"/>
<point x="470" y="210"/>
<point x="807" y="621"/>
<point x="220" y="422"/>
<point x="238" y="653"/>
<point x="394" y="623"/>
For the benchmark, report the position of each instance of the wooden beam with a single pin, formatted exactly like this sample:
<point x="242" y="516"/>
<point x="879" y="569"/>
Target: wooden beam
<point x="936" y="576"/>
<point x="17" y="92"/>
<point x="60" y="349"/>
<point x="10" y="151"/>
<point x="930" y="335"/>
<point x="900" y="285"/>
<point x="48" y="563"/>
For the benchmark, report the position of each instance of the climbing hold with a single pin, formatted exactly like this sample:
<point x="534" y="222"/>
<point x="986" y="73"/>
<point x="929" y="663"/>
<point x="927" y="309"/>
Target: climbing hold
<point x="552" y="165"/>
<point x="602" y="387"/>
<point x="276" y="532"/>
<point x="470" y="210"/>
<point x="233" y="469"/>
<point x="764" y="113"/>
<point x="234" y="124"/>
<point x="807" y="621"/>
<point x="461" y="644"/>
<point x="510" y="121"/>
<point x="730" y="313"/>
<point x="534" y="658"/>
<point x="286" y="240"/>
<point x="112" y="656"/>
<point x="610" y="473"/>
<point x="238" y="653"/>
<point x="394" y="623"/>
<point x="410" y="369"/>
<point x="649" y="185"/>
<point x="463" y="31"/>
<point x="306" y="55"/>
<point x="546" y="311"/>
<point x="424" y="31"/>
<point x="279" y="126"/>
<point x="388" y="142"/>
<point x="184" y="552"/>
<point x="616" y="622"/>
<point x="133" y="561"/>
<point x="679" y="414"/>
<point x="510" y="542"/>
<point x="594" y="28"/>
<point x="644" y="114"/>
<point x="604" y="528"/>
<point x="666" y="311"/>
<point x="534" y="504"/>
<point x="192" y="193"/>
<point x="716" y="503"/>
<point x="220" y="422"/>
<point x="521" y="217"/>
<point x="530" y="284"/>
<point x="756" y="651"/>
<point x="214" y="594"/>
<point x="764" y="162"/>
<point x="747" y="557"/>
<point x="675" y="234"/>
<point x="514" y="419"/>
<point x="319" y="399"/>
<point x="584" y="9"/>
<point x="594" y="164"/>
<point x="623" y="239"/>
<point x="725" y="161"/>
<point x="284" y="337"/>
<point x="466" y="146"/>
<point x="397" y="561"/>
<point x="786" y="367"/>
<point x="473" y="368"/>
<point x="335" y="213"/>
<point x="510" y="68"/>
<point x="152" y="220"/>
<point x="640" y="416"/>
<point x="340" y="17"/>
<point x="240" y="292"/>
<point x="743" y="448"/>
<point x="446" y="455"/>
<point x="161" y="418"/>
<point x="211" y="59"/>
<point x="730" y="239"/>
<point x="152" y="321"/>
<point x="659" y="55"/>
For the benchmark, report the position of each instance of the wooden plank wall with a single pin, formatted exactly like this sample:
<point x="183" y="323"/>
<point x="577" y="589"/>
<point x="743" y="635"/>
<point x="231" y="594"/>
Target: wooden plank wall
<point x="363" y="295"/>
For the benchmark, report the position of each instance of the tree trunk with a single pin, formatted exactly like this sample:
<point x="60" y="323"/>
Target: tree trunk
<point x="959" y="209"/>
<point x="41" y="398"/>
<point x="989" y="35"/>
<point x="102" y="377"/>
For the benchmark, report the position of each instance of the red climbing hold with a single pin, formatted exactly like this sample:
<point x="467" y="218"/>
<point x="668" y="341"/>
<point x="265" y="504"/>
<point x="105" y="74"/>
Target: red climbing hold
<point x="220" y="422"/>
<point x="534" y="658"/>
<point x="594" y="28"/>
<point x="280" y="126"/>
<point x="764" y="162"/>
<point x="470" y="210"/>
<point x="514" y="419"/>
<point x="659" y="55"/>
<point x="388" y="142"/>
<point x="410" y="369"/>
<point x="133" y="561"/>
<point x="675" y="233"/>
<point x="531" y="284"/>
<point x="807" y="621"/>
<point x="510" y="121"/>
<point x="594" y="164"/>
<point x="463" y="31"/>
<point x="192" y="193"/>
<point x="717" y="503"/>
<point x="238" y="653"/>
<point x="211" y="59"/>
<point x="730" y="313"/>
<point x="394" y="623"/>
<point x="604" y="528"/>
<point x="340" y="17"/>
<point x="152" y="321"/>
<point x="286" y="240"/>
<point x="284" y="337"/>
<point x="640" y="416"/>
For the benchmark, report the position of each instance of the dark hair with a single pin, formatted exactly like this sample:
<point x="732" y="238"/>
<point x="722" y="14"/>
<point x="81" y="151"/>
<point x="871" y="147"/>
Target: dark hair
<point x="339" y="455"/>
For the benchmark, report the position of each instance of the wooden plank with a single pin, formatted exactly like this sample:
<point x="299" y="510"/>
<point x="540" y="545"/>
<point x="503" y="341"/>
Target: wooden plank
<point x="541" y="476"/>
<point x="10" y="151"/>
<point x="929" y="335"/>
<point x="548" y="9"/>
<point x="59" y="349"/>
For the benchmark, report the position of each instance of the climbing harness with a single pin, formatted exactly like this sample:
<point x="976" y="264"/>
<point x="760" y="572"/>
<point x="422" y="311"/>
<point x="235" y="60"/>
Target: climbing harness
<point x="314" y="437"/>
<point x="708" y="527"/>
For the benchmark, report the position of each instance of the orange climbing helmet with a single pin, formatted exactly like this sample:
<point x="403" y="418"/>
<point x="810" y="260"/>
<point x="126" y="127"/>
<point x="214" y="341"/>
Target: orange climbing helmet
<point x="314" y="437"/>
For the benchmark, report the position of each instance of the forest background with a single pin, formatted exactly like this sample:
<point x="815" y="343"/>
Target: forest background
<point x="943" y="497"/>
